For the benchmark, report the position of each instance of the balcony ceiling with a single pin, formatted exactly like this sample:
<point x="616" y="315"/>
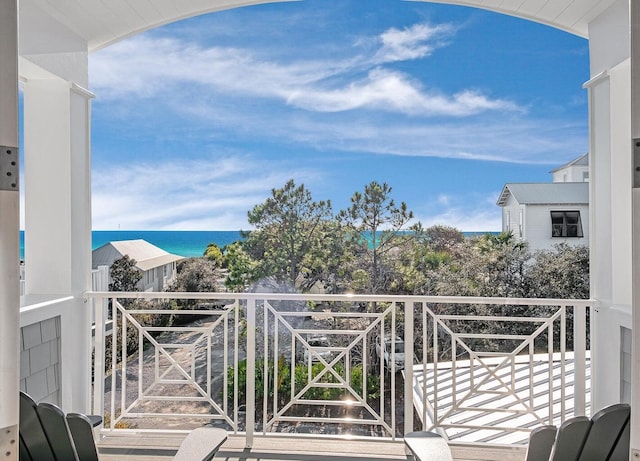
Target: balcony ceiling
<point x="569" y="15"/>
<point x="102" y="22"/>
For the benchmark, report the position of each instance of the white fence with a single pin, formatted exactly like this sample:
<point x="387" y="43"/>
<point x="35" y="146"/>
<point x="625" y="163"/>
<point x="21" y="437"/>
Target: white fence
<point x="338" y="364"/>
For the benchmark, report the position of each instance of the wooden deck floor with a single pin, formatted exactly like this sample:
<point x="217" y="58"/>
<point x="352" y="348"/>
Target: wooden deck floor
<point x="156" y="448"/>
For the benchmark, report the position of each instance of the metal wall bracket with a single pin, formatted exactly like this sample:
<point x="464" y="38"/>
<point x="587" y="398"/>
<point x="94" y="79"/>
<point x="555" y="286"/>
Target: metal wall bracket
<point x="636" y="163"/>
<point x="9" y="168"/>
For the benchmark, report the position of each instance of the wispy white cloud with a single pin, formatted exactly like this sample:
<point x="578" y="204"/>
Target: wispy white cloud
<point x="413" y="42"/>
<point x="478" y="215"/>
<point x="388" y="90"/>
<point x="519" y="140"/>
<point x="190" y="194"/>
<point x="146" y="66"/>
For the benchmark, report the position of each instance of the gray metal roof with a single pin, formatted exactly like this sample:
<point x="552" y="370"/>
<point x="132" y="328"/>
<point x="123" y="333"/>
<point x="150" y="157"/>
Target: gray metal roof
<point x="555" y="193"/>
<point x="147" y="256"/>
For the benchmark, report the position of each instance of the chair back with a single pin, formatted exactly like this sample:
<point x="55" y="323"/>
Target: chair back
<point x="55" y="427"/>
<point x="34" y="445"/>
<point x="82" y="433"/>
<point x="607" y="428"/>
<point x="570" y="439"/>
<point x="541" y="442"/>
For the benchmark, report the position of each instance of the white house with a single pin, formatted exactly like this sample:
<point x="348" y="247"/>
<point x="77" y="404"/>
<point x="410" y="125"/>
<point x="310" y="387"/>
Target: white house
<point x="577" y="170"/>
<point x="47" y="45"/>
<point x="157" y="266"/>
<point x="544" y="214"/>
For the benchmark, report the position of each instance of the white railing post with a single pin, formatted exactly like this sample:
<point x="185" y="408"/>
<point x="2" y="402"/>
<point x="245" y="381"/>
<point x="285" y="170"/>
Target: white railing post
<point x="250" y="391"/>
<point x="98" y="306"/>
<point x="579" y="357"/>
<point x="408" y="367"/>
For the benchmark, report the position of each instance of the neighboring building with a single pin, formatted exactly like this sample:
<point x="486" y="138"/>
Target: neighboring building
<point x="544" y="214"/>
<point x="157" y="266"/>
<point x="576" y="170"/>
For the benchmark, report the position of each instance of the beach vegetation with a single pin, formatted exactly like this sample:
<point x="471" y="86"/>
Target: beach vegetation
<point x="196" y="275"/>
<point x="288" y="227"/>
<point x="239" y="266"/>
<point x="374" y="213"/>
<point x="214" y="254"/>
<point x="123" y="274"/>
<point x="374" y="247"/>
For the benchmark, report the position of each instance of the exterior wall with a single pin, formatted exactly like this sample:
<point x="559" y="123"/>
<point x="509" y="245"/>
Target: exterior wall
<point x="511" y="218"/>
<point x="169" y="274"/>
<point x="538" y="226"/>
<point x="610" y="198"/>
<point x="40" y="360"/>
<point x="625" y="360"/>
<point x="571" y="174"/>
<point x="159" y="278"/>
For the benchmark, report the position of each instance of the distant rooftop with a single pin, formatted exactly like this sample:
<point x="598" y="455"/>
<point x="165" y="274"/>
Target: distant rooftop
<point x="147" y="256"/>
<point x="583" y="160"/>
<point x="561" y="193"/>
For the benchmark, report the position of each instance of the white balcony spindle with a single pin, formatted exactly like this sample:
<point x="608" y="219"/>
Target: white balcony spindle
<point x="579" y="359"/>
<point x="251" y="372"/>
<point x="408" y="366"/>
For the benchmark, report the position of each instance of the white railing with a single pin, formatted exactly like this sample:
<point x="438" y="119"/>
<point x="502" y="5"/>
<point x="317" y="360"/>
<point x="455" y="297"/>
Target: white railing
<point x="333" y="364"/>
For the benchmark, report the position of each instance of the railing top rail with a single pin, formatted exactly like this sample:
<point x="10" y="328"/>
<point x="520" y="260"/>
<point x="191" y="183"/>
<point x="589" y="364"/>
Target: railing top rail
<point x="344" y="297"/>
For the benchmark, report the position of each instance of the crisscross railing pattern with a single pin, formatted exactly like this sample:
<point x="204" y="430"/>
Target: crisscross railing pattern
<point x="502" y="373"/>
<point x="475" y="369"/>
<point x="163" y="366"/>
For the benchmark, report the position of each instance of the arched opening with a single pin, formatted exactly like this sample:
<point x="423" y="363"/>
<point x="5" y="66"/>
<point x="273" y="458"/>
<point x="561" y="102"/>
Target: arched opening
<point x="334" y="96"/>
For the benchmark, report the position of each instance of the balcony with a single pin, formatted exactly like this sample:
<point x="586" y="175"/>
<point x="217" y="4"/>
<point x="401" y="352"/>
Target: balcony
<point x="483" y="372"/>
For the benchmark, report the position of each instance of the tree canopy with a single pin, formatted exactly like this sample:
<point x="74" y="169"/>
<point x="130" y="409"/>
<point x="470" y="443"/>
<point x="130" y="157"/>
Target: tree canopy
<point x="372" y="247"/>
<point x="124" y="275"/>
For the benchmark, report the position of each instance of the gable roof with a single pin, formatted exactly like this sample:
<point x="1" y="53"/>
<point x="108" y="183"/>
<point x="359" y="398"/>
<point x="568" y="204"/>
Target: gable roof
<point x="554" y="193"/>
<point x="583" y="160"/>
<point x="147" y="256"/>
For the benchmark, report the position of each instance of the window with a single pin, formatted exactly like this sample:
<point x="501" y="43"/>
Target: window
<point x="566" y="224"/>
<point x="507" y="222"/>
<point x="521" y="224"/>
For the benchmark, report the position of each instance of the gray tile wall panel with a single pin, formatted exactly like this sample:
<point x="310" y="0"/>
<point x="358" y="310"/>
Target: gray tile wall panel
<point x="32" y="336"/>
<point x="40" y="360"/>
<point x="40" y="357"/>
<point x="25" y="369"/>
<point x="37" y="386"/>
<point x="52" y="381"/>
<point x="49" y="330"/>
<point x="625" y="364"/>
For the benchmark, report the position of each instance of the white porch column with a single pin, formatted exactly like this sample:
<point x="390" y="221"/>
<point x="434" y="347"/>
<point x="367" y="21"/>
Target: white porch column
<point x="58" y="218"/>
<point x="9" y="231"/>
<point x="635" y="141"/>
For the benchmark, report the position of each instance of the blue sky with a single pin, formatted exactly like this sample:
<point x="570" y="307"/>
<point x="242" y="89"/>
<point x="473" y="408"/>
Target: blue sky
<point x="195" y="122"/>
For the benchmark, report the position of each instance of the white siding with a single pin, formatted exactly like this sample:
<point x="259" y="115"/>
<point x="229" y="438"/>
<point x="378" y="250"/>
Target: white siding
<point x="511" y="217"/>
<point x="574" y="173"/>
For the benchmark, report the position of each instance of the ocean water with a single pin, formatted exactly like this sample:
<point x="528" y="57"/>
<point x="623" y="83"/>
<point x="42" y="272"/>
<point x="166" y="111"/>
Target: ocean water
<point x="183" y="243"/>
